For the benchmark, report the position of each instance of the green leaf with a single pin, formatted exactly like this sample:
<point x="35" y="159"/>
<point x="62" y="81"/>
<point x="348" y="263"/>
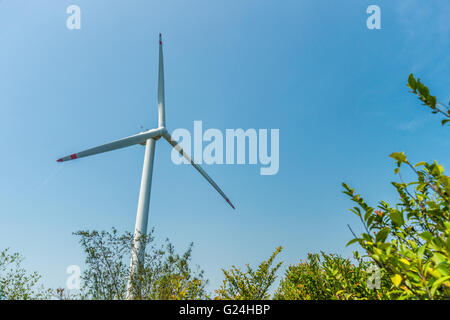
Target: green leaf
<point x="427" y="236"/>
<point x="397" y="218"/>
<point x="403" y="260"/>
<point x="420" y="164"/>
<point x="352" y="241"/>
<point x="445" y="121"/>
<point x="368" y="213"/>
<point x="412" y="82"/>
<point x="398" y="156"/>
<point x="431" y="101"/>
<point x="421" y="251"/>
<point x="423" y="89"/>
<point x="438" y="258"/>
<point x="443" y="268"/>
<point x="437" y="283"/>
<point x="382" y="234"/>
<point x="396" y="279"/>
<point x="370" y="221"/>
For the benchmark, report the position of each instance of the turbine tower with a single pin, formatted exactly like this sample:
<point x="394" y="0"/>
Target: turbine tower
<point x="147" y="138"/>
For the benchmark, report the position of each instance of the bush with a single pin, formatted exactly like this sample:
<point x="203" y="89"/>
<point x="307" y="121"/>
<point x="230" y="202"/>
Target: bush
<point x="16" y="283"/>
<point x="411" y="240"/>
<point x="331" y="277"/>
<point x="252" y="284"/>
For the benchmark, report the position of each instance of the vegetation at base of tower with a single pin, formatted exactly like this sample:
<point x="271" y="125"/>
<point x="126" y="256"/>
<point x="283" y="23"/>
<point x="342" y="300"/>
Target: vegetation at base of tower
<point x="405" y="253"/>
<point x="163" y="275"/>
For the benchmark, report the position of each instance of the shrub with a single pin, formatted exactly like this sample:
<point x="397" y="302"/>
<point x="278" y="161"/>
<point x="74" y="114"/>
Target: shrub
<point x="411" y="240"/>
<point x="331" y="277"/>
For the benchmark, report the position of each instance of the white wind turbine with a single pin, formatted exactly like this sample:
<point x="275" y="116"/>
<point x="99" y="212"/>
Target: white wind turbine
<point x="147" y="138"/>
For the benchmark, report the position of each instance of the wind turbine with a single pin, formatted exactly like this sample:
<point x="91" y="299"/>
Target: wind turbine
<point x="147" y="138"/>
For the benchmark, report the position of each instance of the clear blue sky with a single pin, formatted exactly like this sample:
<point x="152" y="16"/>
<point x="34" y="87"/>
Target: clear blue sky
<point x="312" y="69"/>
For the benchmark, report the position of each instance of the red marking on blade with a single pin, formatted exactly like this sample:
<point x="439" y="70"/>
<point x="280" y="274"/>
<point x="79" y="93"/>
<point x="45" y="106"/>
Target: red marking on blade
<point x="60" y="160"/>
<point x="228" y="200"/>
<point x="160" y="42"/>
<point x="73" y="156"/>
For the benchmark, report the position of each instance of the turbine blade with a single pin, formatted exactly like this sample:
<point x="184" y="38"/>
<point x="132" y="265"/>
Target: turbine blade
<point x="177" y="147"/>
<point x="161" y="102"/>
<point x="118" y="144"/>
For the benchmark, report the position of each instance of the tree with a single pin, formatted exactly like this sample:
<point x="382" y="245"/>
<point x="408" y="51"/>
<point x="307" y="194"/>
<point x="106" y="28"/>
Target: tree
<point x="16" y="283"/>
<point x="411" y="240"/>
<point x="163" y="274"/>
<point x="252" y="284"/>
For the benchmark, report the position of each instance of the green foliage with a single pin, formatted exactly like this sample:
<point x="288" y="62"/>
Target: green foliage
<point x="16" y="283"/>
<point x="163" y="275"/>
<point x="330" y="277"/>
<point x="423" y="93"/>
<point x="411" y="241"/>
<point x="252" y="284"/>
